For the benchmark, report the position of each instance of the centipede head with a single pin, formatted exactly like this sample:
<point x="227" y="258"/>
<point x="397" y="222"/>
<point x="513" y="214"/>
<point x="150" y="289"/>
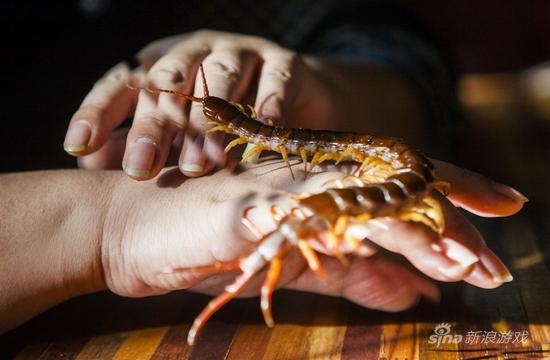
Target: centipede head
<point x="218" y="110"/>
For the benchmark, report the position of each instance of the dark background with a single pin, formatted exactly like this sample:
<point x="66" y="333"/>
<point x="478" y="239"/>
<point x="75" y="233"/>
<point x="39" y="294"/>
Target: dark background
<point x="52" y="52"/>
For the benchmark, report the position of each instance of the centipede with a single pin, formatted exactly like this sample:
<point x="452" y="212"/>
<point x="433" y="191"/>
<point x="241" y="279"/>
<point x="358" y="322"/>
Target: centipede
<point x="393" y="180"/>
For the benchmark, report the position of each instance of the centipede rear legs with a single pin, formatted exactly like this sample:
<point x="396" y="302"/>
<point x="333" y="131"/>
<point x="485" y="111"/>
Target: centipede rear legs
<point x="271" y="250"/>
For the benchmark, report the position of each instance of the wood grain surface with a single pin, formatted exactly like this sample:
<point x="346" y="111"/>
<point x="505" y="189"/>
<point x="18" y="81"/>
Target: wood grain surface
<point x="500" y="140"/>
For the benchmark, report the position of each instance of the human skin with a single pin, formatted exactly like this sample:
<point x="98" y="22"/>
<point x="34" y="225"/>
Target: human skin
<point x="293" y="90"/>
<point x="71" y="232"/>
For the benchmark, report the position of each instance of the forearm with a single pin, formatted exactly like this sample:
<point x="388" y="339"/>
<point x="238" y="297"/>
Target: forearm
<point x="50" y="238"/>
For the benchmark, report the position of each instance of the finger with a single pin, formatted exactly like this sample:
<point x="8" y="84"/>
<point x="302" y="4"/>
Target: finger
<point x="192" y="155"/>
<point x="149" y="139"/>
<point x="275" y="93"/>
<point x="228" y="73"/>
<point x="478" y="194"/>
<point x="105" y="107"/>
<point x="489" y="272"/>
<point x="109" y="156"/>
<point x="433" y="256"/>
<point x="376" y="282"/>
<point x="160" y="116"/>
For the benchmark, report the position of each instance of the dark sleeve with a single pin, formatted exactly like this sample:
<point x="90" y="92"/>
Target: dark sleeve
<point x="402" y="48"/>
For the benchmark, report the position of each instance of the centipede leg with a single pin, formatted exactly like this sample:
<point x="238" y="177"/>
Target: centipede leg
<point x="311" y="258"/>
<point x="333" y="183"/>
<point x="428" y="212"/>
<point x="255" y="150"/>
<point x="218" y="128"/>
<point x="421" y="218"/>
<point x="354" y="180"/>
<point x="252" y="111"/>
<point x="250" y="225"/>
<point x="334" y="243"/>
<point x="341" y="183"/>
<point x="303" y="155"/>
<point x="436" y="212"/>
<point x="298" y="213"/>
<point x="443" y="187"/>
<point x="277" y="213"/>
<point x="344" y="154"/>
<point x="206" y="270"/>
<point x="432" y="210"/>
<point x="318" y="158"/>
<point x="239" y="106"/>
<point x="231" y="291"/>
<point x="234" y="143"/>
<point x="253" y="158"/>
<point x="339" y="229"/>
<point x="268" y="287"/>
<point x="284" y="154"/>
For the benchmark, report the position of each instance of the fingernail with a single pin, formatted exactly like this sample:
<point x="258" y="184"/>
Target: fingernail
<point x="509" y="192"/>
<point x="193" y="160"/>
<point x="191" y="167"/>
<point x="458" y="252"/>
<point x="142" y="156"/>
<point x="77" y="137"/>
<point x="503" y="278"/>
<point x="496" y="268"/>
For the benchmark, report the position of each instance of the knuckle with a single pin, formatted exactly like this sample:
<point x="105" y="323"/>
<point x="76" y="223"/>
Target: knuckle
<point x="92" y="112"/>
<point x="157" y="122"/>
<point x="203" y="34"/>
<point x="119" y="74"/>
<point x="279" y="73"/>
<point x="168" y="72"/>
<point x="282" y="66"/>
<point x="223" y="68"/>
<point x="200" y="32"/>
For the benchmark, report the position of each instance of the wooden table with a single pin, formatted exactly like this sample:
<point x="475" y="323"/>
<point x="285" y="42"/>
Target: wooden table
<point x="506" y="145"/>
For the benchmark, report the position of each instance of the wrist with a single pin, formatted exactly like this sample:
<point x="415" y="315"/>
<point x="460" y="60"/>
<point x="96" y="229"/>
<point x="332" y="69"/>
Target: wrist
<point x="83" y="233"/>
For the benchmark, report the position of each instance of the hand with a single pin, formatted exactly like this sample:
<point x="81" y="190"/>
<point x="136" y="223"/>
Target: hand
<point x="288" y="87"/>
<point x="196" y="222"/>
<point x="130" y="233"/>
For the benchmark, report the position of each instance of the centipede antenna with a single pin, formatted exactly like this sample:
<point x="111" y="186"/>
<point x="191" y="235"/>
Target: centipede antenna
<point x="268" y="287"/>
<point x="167" y="91"/>
<point x="204" y="85"/>
<point x="231" y="291"/>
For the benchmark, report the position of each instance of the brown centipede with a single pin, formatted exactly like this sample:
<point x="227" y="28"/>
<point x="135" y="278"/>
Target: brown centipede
<point x="394" y="180"/>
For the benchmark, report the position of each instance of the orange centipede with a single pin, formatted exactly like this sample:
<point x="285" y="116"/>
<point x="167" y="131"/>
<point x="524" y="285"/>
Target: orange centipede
<point x="394" y="180"/>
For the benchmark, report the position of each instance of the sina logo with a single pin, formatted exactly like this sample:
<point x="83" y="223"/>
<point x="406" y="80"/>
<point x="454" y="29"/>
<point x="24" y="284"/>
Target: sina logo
<point x="442" y="335"/>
